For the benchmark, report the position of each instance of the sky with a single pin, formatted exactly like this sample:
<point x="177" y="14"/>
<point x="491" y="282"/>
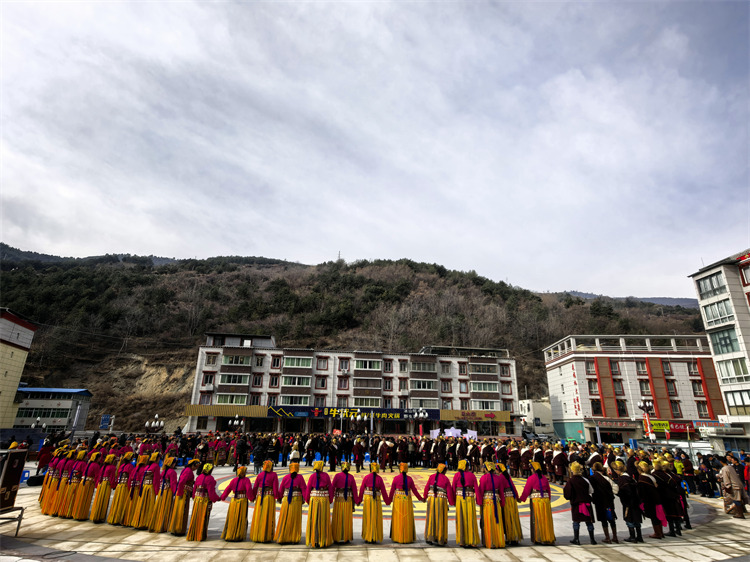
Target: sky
<point x="600" y="147"/>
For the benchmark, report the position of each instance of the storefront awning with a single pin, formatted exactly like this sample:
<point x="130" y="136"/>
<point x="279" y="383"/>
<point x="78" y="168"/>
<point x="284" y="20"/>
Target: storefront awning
<point x="226" y="410"/>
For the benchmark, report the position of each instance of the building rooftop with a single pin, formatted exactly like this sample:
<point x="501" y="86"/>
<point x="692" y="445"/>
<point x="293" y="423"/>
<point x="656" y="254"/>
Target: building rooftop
<point x="627" y="343"/>
<point x="39" y="390"/>
<point x="736" y="258"/>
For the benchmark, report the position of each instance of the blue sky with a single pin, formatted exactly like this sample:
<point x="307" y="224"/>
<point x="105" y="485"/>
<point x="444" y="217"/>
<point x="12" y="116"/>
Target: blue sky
<point x="600" y="147"/>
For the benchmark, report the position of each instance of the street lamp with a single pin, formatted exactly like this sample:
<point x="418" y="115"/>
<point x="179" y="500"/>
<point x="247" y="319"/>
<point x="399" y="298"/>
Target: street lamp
<point x="236" y="423"/>
<point x="155" y="425"/>
<point x="645" y="406"/>
<point x="36" y="423"/>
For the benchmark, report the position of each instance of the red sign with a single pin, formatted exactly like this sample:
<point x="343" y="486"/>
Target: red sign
<point x="337" y="432"/>
<point x="490" y="415"/>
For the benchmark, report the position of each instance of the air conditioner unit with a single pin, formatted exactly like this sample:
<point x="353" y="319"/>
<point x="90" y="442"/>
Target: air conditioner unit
<point x="344" y="371"/>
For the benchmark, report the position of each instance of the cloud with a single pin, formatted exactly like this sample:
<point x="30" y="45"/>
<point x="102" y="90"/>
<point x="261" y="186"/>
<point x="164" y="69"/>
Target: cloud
<point x="555" y="146"/>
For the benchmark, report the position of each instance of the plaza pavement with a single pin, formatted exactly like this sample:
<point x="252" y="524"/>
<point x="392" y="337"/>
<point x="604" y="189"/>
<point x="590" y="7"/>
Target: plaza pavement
<point x="715" y="537"/>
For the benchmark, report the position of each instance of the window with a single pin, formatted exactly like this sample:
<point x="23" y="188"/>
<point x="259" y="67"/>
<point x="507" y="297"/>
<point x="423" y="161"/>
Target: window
<point x="462" y="368"/>
<point x="322" y="364"/>
<point x="645" y="388"/>
<point x="423" y="367"/>
<point x="463" y="387"/>
<point x="431" y="404"/>
<point x="718" y="313"/>
<point x="619" y="390"/>
<point x="697" y="388"/>
<point x="702" y="409"/>
<point x="201" y="423"/>
<point x="403" y="403"/>
<point x="666" y="366"/>
<point x="276" y="362"/>
<point x="237" y="360"/>
<point x="343" y="383"/>
<point x="446" y="404"/>
<point x="508" y="405"/>
<point x="484" y="386"/>
<point x="464" y="404"/>
<point x="295" y="400"/>
<point x="320" y="401"/>
<point x="366" y="402"/>
<point x="388" y="384"/>
<point x="204" y="400"/>
<point x="506" y="388"/>
<point x="671" y="388"/>
<point x="483" y="369"/>
<point x="273" y="400"/>
<point x="641" y="368"/>
<point x="211" y="358"/>
<point x="445" y="368"/>
<point x="733" y="370"/>
<point x="746" y="275"/>
<point x="622" y="409"/>
<point x="240" y="399"/>
<point x="257" y="380"/>
<point x="484" y="404"/>
<point x="367" y="383"/>
<point x="274" y="382"/>
<point x="596" y="407"/>
<point x="208" y="378"/>
<point x="738" y="402"/>
<point x="724" y="341"/>
<point x="445" y="386"/>
<point x="342" y="402"/>
<point x="590" y="368"/>
<point x="711" y="286"/>
<point x="388" y="366"/>
<point x="614" y="368"/>
<point x="693" y="368"/>
<point x="418" y="384"/>
<point x="343" y="364"/>
<point x="387" y="403"/>
<point x="403" y="384"/>
<point x="259" y="360"/>
<point x="289" y="380"/>
<point x="304" y="362"/>
<point x="403" y="367"/>
<point x="255" y="399"/>
<point x="593" y="387"/>
<point x="320" y="382"/>
<point x="367" y="364"/>
<point x="504" y="370"/>
<point x="676" y="412"/>
<point x="234" y="379"/>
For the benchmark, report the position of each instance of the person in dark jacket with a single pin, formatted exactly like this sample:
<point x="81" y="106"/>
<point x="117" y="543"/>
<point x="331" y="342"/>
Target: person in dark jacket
<point x="669" y="494"/>
<point x="631" y="503"/>
<point x="649" y="495"/>
<point x="604" y="502"/>
<point x="578" y="491"/>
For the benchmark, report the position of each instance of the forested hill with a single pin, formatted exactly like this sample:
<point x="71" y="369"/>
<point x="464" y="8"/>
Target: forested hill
<point x="127" y="327"/>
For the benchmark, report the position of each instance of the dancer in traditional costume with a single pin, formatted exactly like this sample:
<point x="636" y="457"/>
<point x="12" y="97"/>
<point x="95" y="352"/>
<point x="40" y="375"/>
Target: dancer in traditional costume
<point x="370" y="494"/>
<point x="492" y="489"/>
<point x="204" y="496"/>
<point x="578" y="490"/>
<point x="649" y="496"/>
<point x="136" y="487"/>
<point x="511" y="519"/>
<point x="105" y="482"/>
<point x="537" y="488"/>
<point x="343" y="494"/>
<point x="438" y="493"/>
<point x="402" y="519"/>
<point x="162" y="512"/>
<point x="291" y="494"/>
<point x="466" y="487"/>
<point x="631" y="503"/>
<point x="52" y="481"/>
<point x="235" y="527"/>
<point x="52" y="471"/>
<point x="604" y="502"/>
<point x="150" y="485"/>
<point x="319" y="534"/>
<point x="264" y="492"/>
<point x="85" y="493"/>
<point x="74" y="481"/>
<point x="181" y="510"/>
<point x="121" y="499"/>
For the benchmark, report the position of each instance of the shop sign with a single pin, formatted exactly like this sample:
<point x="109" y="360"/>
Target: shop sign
<point x="616" y="423"/>
<point x="475" y="415"/>
<point x="709" y="423"/>
<point x="337" y="413"/>
<point x="666" y="425"/>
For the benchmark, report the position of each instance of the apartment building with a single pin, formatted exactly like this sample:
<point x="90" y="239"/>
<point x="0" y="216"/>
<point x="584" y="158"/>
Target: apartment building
<point x="723" y="290"/>
<point x="53" y="409"/>
<point x="16" y="335"/>
<point x="247" y="380"/>
<point x="596" y="383"/>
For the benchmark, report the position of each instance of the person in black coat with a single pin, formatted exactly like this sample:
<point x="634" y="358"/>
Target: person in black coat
<point x="649" y="495"/>
<point x="631" y="502"/>
<point x="578" y="491"/>
<point x="669" y="493"/>
<point x="604" y="502"/>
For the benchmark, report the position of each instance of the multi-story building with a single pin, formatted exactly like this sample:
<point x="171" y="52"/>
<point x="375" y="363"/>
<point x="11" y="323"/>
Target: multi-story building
<point x="53" y="409"/>
<point x="247" y="380"/>
<point x="597" y="382"/>
<point x="723" y="290"/>
<point x="536" y="416"/>
<point x="16" y="334"/>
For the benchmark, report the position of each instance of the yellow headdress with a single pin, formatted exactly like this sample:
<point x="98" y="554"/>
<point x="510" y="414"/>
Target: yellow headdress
<point x="169" y="462"/>
<point x="536" y="466"/>
<point x="293" y="467"/>
<point x="268" y="465"/>
<point x="440" y="468"/>
<point x="403" y="467"/>
<point x="643" y="466"/>
<point x="95" y="456"/>
<point x="127" y="456"/>
<point x="155" y="457"/>
<point x="462" y="464"/>
<point x="241" y="471"/>
<point x="490" y="466"/>
<point x="191" y="462"/>
<point x="13" y="445"/>
<point x="374" y="467"/>
<point x="207" y="468"/>
<point x="81" y="454"/>
<point x="345" y="466"/>
<point x="576" y="468"/>
<point x="319" y="466"/>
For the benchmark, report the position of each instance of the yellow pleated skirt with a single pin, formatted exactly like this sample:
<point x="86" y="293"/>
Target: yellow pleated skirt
<point x="235" y="527"/>
<point x="120" y="503"/>
<point x="402" y="519"/>
<point x="101" y="502"/>
<point x="130" y="513"/>
<point x="342" y="522"/>
<point x="82" y="501"/>
<point x="144" y="508"/>
<point x="511" y="520"/>
<point x="492" y="524"/>
<point x="467" y="529"/>
<point x="436" y="524"/>
<point x="542" y="528"/>
<point x="66" y="507"/>
<point x="48" y="504"/>
<point x="45" y="487"/>
<point x="199" y="519"/>
<point x="264" y="519"/>
<point x="319" y="523"/>
<point x="162" y="511"/>
<point x="372" y="519"/>
<point x="180" y="511"/>
<point x="289" y="527"/>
